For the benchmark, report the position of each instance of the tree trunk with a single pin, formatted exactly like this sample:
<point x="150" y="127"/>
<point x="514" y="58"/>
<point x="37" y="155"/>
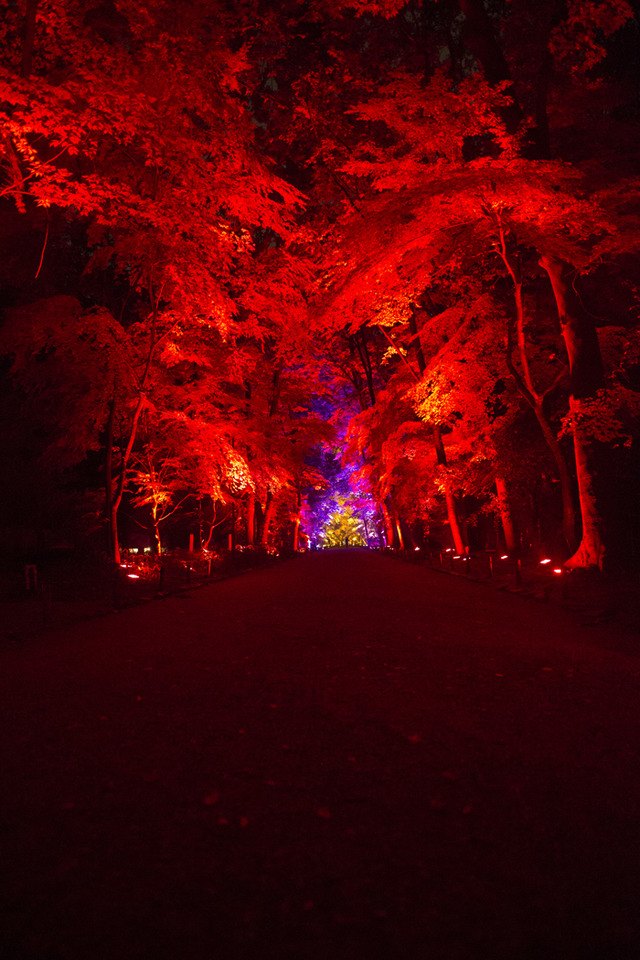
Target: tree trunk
<point x="366" y="530"/>
<point x="115" y="497"/>
<point x="587" y="377"/>
<point x="115" y="544"/>
<point x="388" y="524"/>
<point x="296" y="531"/>
<point x="268" y="516"/>
<point x="524" y="383"/>
<point x="453" y="516"/>
<point x="450" y="500"/>
<point x="566" y="485"/>
<point x="505" y="514"/>
<point x="156" y="535"/>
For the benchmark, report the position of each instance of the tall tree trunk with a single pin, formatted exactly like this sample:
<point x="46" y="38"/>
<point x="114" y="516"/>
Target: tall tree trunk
<point x="298" y="518"/>
<point x="505" y="514"/>
<point x="205" y="543"/>
<point x="450" y="500"/>
<point x="156" y="532"/>
<point x="115" y="543"/>
<point x="268" y="516"/>
<point x="587" y="377"/>
<point x="388" y="523"/>
<point x="116" y="495"/>
<point x="399" y="532"/>
<point x="367" y="538"/>
<point x="536" y="400"/>
<point x="296" y="532"/>
<point x="270" y="500"/>
<point x="124" y="462"/>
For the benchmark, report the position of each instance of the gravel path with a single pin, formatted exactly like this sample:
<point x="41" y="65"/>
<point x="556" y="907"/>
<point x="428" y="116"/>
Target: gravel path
<point x="341" y="758"/>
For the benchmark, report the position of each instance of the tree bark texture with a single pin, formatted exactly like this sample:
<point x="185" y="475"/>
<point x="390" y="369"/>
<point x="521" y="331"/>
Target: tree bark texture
<point x="267" y="518"/>
<point x="506" y="517"/>
<point x="388" y="523"/>
<point x="587" y="377"/>
<point x="450" y="500"/>
<point x="527" y="388"/>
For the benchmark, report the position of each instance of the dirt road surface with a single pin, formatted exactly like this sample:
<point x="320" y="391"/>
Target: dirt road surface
<point x="340" y="758"/>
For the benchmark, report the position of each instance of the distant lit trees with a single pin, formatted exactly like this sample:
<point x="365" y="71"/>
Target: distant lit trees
<point x="343" y="528"/>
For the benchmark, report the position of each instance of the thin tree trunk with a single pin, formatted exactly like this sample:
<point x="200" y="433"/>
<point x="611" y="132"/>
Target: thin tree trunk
<point x="366" y="530"/>
<point x="450" y="500"/>
<point x="268" y="516"/>
<point x="388" y="524"/>
<point x="116" y="497"/>
<point x="399" y="532"/>
<point x="273" y="406"/>
<point x="298" y="518"/>
<point x="205" y="544"/>
<point x="156" y="534"/>
<point x="296" y="531"/>
<point x="505" y="514"/>
<point x="587" y="377"/>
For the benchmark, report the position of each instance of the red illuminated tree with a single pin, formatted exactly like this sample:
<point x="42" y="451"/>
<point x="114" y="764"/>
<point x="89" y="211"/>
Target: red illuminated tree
<point x="453" y="159"/>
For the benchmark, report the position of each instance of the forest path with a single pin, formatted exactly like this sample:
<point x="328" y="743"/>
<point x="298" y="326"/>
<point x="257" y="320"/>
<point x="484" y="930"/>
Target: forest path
<point x="340" y="758"/>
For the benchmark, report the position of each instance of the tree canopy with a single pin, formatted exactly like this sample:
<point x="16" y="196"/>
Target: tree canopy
<point x="245" y="243"/>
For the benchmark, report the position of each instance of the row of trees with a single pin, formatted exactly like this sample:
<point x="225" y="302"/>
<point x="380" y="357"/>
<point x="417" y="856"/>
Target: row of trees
<point x="234" y="231"/>
<point x="490" y="245"/>
<point x="163" y="339"/>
